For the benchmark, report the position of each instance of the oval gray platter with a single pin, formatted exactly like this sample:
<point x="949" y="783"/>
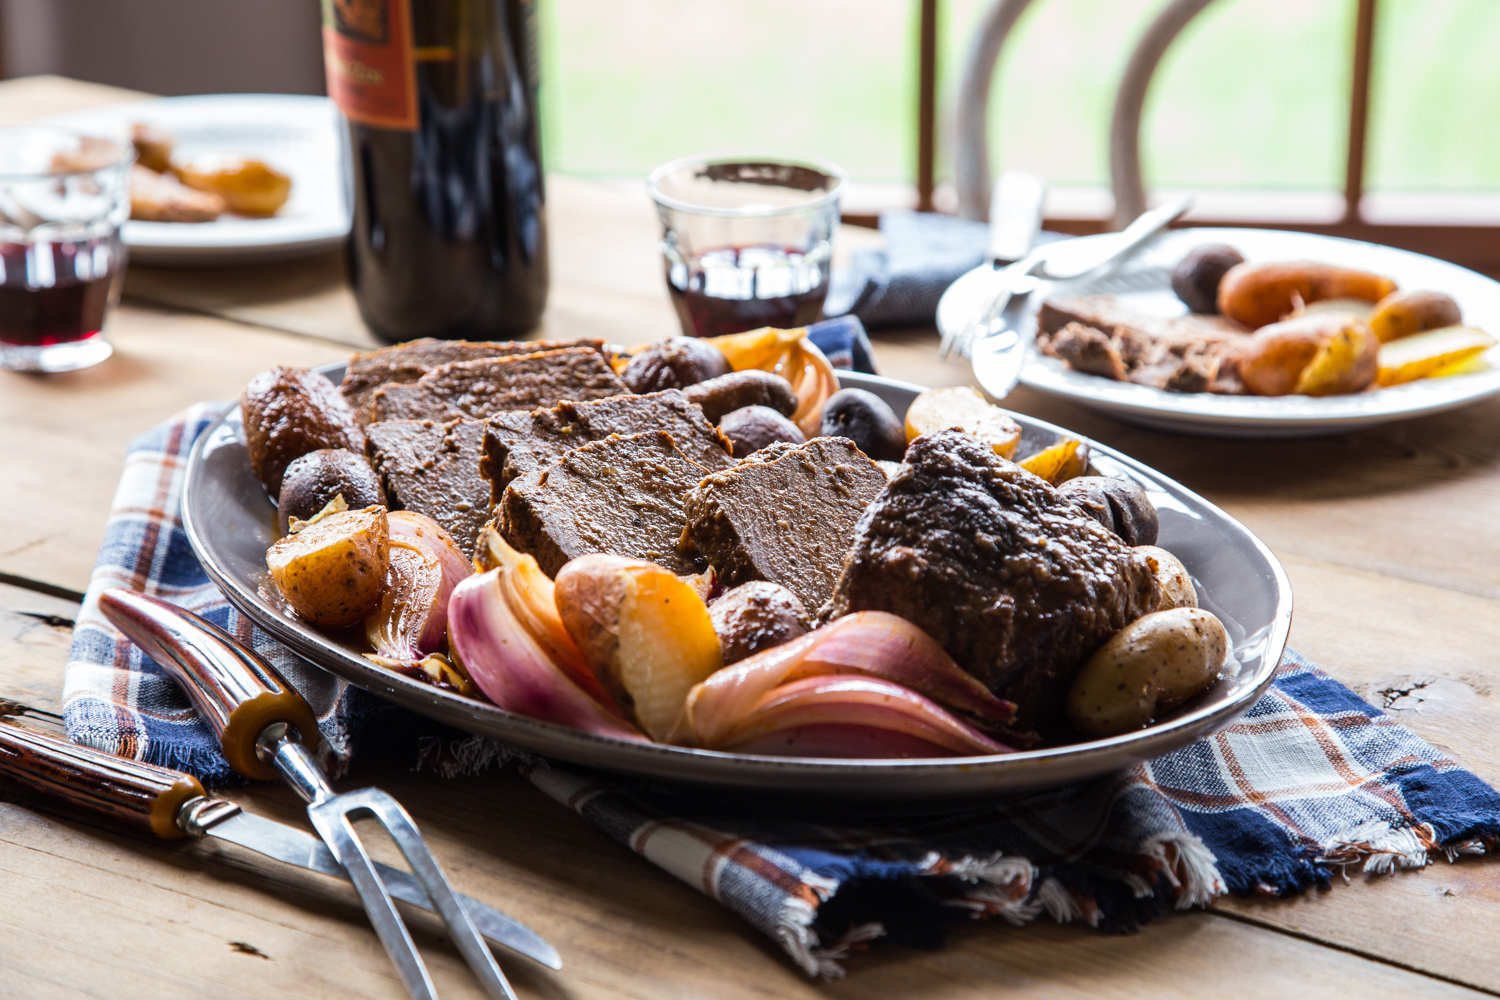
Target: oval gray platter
<point x="230" y="522"/>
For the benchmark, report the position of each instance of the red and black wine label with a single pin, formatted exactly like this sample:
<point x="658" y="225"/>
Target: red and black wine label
<point x="367" y="52"/>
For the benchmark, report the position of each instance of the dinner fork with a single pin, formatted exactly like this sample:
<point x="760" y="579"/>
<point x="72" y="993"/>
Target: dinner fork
<point x="1061" y="261"/>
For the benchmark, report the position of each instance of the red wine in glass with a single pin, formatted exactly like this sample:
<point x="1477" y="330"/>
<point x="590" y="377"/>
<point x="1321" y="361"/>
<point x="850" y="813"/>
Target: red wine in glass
<point x="55" y="293"/>
<point x="734" y="289"/>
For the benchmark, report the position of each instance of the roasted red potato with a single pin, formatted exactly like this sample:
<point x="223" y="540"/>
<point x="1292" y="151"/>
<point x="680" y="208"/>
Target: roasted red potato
<point x="1260" y="294"/>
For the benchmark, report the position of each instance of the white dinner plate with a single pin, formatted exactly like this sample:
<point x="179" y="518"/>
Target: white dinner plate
<point x="1144" y="282"/>
<point x="230" y="522"/>
<point x="295" y="134"/>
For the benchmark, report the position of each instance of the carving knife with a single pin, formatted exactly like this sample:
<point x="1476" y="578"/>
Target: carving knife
<point x="173" y="805"/>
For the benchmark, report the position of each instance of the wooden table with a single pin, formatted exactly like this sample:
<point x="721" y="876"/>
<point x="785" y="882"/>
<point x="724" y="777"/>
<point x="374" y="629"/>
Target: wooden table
<point x="1391" y="538"/>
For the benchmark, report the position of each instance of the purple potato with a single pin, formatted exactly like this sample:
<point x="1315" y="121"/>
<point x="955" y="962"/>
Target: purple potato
<point x="674" y="364"/>
<point x="1196" y="278"/>
<point x="751" y="428"/>
<point x="865" y="419"/>
<point x="756" y="616"/>
<point x="1118" y="504"/>
<point x="314" y="479"/>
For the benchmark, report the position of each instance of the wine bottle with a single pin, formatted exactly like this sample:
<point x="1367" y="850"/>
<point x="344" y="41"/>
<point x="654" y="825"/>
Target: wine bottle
<point x="443" y="164"/>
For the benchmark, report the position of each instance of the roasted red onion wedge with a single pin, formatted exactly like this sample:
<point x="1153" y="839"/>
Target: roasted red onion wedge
<point x="423" y="530"/>
<point x="531" y="595"/>
<point x="411" y="619"/>
<point x="874" y="717"/>
<point x="435" y="669"/>
<point x="505" y="660"/>
<point x="868" y="643"/>
<point x="425" y="565"/>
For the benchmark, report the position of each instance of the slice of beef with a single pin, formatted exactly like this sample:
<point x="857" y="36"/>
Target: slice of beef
<point x="405" y="363"/>
<point x="1189" y="371"/>
<point x="516" y="444"/>
<point x="1088" y="350"/>
<point x="1191" y="353"/>
<point x="433" y="469"/>
<point x="1104" y="312"/>
<point x="622" y="495"/>
<point x="479" y="388"/>
<point x="1016" y="582"/>
<point x="786" y="514"/>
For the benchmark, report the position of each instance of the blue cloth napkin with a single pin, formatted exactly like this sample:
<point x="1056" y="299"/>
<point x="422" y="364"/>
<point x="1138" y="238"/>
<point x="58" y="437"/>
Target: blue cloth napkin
<point x="844" y="343"/>
<point x="1310" y="782"/>
<point x="900" y="284"/>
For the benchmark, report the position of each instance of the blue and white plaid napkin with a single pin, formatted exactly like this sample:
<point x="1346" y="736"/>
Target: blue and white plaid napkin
<point x="1310" y="782"/>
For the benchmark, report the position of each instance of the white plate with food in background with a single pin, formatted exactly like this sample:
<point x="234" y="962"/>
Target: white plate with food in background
<point x="1143" y="283"/>
<point x="230" y="522"/>
<point x="297" y="135"/>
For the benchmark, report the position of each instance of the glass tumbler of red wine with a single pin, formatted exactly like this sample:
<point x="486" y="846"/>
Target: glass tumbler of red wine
<point x="63" y="198"/>
<point x="747" y="239"/>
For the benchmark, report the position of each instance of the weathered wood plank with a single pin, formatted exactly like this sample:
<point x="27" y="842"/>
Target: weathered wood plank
<point x="1426" y="654"/>
<point x="64" y="445"/>
<point x="35" y="631"/>
<point x="164" y="920"/>
<point x="29" y="98"/>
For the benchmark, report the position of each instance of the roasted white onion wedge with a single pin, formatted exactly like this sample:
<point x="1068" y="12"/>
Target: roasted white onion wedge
<point x="422" y="568"/>
<point x="801" y="684"/>
<point x="505" y="635"/>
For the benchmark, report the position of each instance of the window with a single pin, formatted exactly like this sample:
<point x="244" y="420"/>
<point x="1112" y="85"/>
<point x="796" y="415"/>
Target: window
<point x="627" y="86"/>
<point x="1253" y="106"/>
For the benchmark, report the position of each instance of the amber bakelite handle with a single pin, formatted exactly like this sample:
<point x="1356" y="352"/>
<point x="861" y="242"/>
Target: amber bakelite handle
<point x="140" y="795"/>
<point x="236" y="693"/>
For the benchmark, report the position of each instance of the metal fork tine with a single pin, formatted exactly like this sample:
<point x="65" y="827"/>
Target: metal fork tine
<point x="403" y="830"/>
<point x="332" y="821"/>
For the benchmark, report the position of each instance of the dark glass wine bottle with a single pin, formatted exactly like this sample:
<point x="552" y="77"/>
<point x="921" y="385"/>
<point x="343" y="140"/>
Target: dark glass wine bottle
<point x="444" y="164"/>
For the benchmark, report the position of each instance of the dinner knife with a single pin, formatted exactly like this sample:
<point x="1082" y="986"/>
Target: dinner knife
<point x="1063" y="261"/>
<point x="1016" y="205"/>
<point x="172" y="805"/>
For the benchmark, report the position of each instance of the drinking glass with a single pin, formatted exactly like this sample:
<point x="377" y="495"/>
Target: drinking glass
<point x="746" y="239"/>
<point x="63" y="198"/>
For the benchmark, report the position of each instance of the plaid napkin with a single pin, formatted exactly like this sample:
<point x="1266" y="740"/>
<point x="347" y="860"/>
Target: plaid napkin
<point x="1312" y="781"/>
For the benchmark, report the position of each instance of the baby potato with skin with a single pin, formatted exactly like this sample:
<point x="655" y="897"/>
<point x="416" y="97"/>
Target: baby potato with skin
<point x="1401" y="314"/>
<point x="1319" y="354"/>
<point x="332" y="570"/>
<point x="737" y="390"/>
<point x="153" y="147"/>
<point x="1174" y="586"/>
<point x="248" y="187"/>
<point x="963" y="407"/>
<point x="312" y="481"/>
<point x="1260" y="294"/>
<point x="756" y="616"/>
<point x="751" y="428"/>
<point x="1155" y="663"/>
<point x="644" y="632"/>
<point x="289" y="412"/>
